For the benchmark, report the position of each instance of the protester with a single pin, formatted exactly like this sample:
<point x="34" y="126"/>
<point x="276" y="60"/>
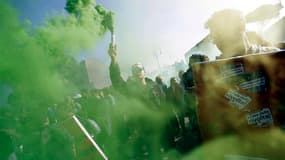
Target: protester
<point x="187" y="81"/>
<point x="228" y="124"/>
<point x="187" y="77"/>
<point x="136" y="86"/>
<point x="136" y="93"/>
<point x="228" y="33"/>
<point x="180" y="76"/>
<point x="175" y="94"/>
<point x="160" y="83"/>
<point x="159" y="91"/>
<point x="189" y="136"/>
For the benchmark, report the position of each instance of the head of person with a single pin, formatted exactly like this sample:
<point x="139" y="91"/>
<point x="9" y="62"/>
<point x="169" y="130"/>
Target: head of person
<point x="227" y="31"/>
<point x="149" y="81"/>
<point x="158" y="80"/>
<point x="194" y="58"/>
<point x="180" y="74"/>
<point x="138" y="71"/>
<point x="173" y="81"/>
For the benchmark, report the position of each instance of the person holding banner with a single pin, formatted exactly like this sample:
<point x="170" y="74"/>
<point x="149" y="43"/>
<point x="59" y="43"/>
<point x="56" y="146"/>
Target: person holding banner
<point x="228" y="32"/>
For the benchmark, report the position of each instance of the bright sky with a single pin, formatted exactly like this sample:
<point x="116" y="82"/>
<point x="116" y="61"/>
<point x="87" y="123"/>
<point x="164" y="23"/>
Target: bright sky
<point x="146" y="27"/>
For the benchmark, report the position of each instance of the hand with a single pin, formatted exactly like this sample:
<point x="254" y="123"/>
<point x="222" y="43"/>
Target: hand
<point x="112" y="52"/>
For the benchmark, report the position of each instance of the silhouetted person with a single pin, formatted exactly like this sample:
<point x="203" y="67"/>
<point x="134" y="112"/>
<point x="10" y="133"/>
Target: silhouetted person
<point x="137" y="94"/>
<point x="187" y="77"/>
<point x="228" y="33"/>
<point x="159" y="91"/>
<point x="136" y="85"/>
<point x="159" y="82"/>
<point x="175" y="94"/>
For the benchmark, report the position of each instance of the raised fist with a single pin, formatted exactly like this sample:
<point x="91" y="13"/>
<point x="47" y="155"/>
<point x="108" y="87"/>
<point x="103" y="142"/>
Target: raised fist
<point x="112" y="51"/>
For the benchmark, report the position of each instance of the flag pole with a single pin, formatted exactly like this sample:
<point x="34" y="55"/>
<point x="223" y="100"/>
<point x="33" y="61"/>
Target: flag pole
<point x="89" y="137"/>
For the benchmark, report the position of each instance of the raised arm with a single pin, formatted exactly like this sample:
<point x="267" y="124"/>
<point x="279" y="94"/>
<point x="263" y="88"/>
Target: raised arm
<point x="114" y="69"/>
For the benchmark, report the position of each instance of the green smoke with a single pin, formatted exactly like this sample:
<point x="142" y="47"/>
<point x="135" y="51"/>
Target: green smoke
<point x="252" y="145"/>
<point x="78" y="7"/>
<point x="108" y="18"/>
<point x="81" y="8"/>
<point x="38" y="62"/>
<point x="38" y="65"/>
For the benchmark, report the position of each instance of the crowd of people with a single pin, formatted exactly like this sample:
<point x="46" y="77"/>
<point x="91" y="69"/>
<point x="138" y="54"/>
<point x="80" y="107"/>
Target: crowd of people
<point x="137" y="118"/>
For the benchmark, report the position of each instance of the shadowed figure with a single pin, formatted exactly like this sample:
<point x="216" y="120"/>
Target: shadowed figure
<point x="228" y="33"/>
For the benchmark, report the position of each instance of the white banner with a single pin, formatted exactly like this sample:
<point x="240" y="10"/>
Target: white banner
<point x="237" y="99"/>
<point x="261" y="118"/>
